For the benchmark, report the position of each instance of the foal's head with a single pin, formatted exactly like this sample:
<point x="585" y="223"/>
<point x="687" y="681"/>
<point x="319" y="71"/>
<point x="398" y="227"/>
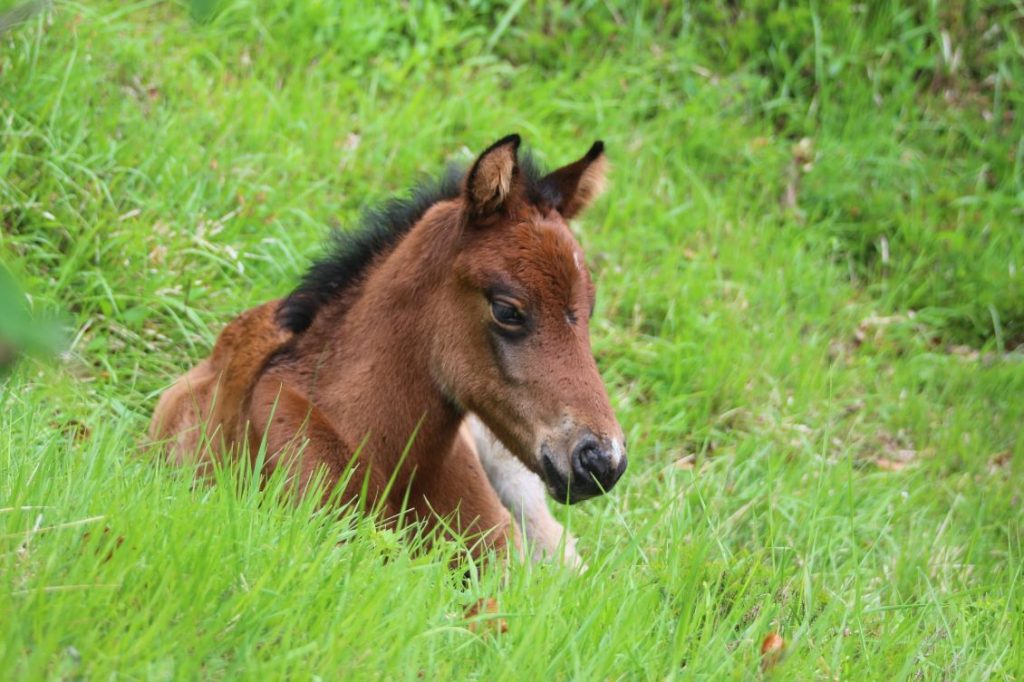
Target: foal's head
<point x="518" y="300"/>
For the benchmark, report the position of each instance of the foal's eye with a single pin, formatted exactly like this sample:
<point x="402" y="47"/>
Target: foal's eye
<point x="506" y="314"/>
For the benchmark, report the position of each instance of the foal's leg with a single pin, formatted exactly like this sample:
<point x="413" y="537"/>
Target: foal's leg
<point x="180" y="424"/>
<point x="456" y="489"/>
<point x="298" y="437"/>
<point x="523" y="494"/>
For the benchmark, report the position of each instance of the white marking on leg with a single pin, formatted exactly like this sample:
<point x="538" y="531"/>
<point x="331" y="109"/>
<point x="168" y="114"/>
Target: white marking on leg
<point x="524" y="495"/>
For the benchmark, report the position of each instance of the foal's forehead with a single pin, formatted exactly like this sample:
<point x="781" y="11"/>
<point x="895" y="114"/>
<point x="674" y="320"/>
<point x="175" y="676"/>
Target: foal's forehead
<point x="548" y="260"/>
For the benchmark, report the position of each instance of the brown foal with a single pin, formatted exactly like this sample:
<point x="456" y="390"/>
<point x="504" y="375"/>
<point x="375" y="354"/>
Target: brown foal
<point x="457" y="319"/>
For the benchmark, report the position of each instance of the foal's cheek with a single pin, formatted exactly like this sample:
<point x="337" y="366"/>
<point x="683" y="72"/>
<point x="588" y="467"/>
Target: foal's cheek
<point x="507" y="360"/>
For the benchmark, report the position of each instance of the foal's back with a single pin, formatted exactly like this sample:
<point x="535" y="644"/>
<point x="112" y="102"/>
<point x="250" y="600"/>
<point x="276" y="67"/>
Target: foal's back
<point x="204" y="413"/>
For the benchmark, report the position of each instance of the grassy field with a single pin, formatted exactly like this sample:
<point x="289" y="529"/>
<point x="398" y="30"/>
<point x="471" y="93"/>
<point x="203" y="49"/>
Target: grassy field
<point x="810" y="316"/>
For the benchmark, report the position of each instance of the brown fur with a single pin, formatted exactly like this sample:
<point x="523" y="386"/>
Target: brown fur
<point x="409" y="350"/>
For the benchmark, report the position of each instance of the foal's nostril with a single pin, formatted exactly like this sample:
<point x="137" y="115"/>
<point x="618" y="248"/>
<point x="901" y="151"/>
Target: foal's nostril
<point x="590" y="463"/>
<point x="593" y="461"/>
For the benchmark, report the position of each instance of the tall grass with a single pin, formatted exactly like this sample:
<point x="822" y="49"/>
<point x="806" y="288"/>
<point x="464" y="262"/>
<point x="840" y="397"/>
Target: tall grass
<point x="810" y="314"/>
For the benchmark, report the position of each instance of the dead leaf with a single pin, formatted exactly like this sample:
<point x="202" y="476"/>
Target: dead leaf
<point x="790" y="200"/>
<point x="482" y="617"/>
<point x="895" y="452"/>
<point x="853" y="408"/>
<point x="803" y="151"/>
<point x="965" y="352"/>
<point x="771" y="650"/>
<point x="118" y="541"/>
<point x="158" y="254"/>
<point x="803" y="162"/>
<point x="73" y="429"/>
<point x="889" y="464"/>
<point x="999" y="462"/>
<point x="686" y="462"/>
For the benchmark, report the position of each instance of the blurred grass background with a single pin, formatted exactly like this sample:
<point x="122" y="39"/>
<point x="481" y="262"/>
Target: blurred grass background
<point x="810" y="316"/>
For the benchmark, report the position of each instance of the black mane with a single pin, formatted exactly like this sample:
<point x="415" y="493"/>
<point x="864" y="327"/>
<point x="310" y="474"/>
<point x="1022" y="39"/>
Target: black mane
<point x="349" y="253"/>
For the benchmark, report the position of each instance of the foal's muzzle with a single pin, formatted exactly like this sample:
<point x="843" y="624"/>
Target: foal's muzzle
<point x="595" y="467"/>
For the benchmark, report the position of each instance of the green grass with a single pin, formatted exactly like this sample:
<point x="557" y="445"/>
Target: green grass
<point x="164" y="166"/>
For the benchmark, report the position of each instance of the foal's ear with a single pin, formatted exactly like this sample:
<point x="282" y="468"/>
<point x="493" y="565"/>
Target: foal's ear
<point x="490" y="179"/>
<point x="579" y="183"/>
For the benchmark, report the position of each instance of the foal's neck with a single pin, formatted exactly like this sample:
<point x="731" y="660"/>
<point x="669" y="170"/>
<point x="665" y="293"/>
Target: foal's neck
<point x="370" y="355"/>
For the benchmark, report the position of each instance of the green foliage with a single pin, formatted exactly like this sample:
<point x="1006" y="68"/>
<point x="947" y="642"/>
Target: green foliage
<point x="21" y="331"/>
<point x="824" y="328"/>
